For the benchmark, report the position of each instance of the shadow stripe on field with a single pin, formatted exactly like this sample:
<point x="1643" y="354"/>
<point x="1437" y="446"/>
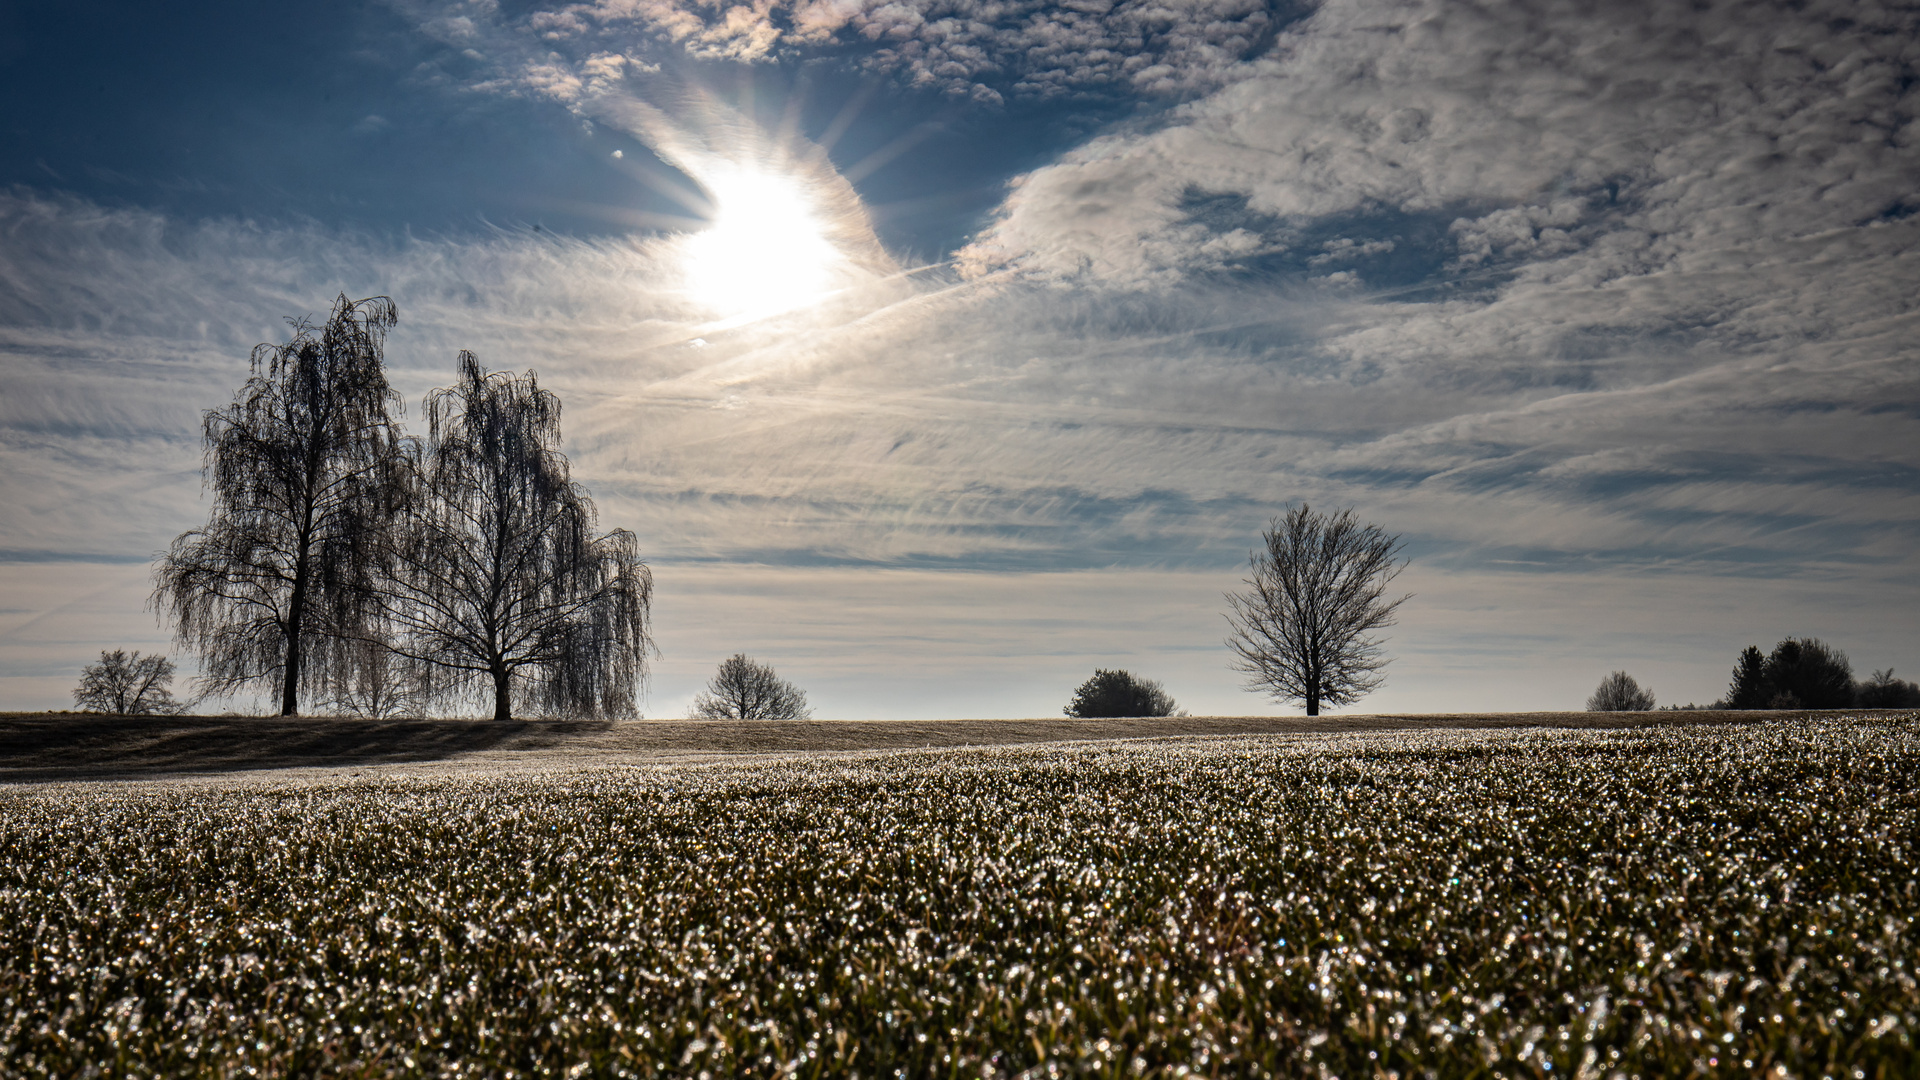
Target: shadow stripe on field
<point x="40" y="747"/>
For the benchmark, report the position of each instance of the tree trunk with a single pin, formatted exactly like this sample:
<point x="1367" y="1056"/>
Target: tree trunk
<point x="502" y="694"/>
<point x="1313" y="701"/>
<point x="296" y="614"/>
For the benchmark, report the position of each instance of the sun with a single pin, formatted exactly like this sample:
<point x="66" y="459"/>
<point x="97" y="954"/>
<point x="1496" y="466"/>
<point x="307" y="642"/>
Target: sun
<point x="765" y="251"/>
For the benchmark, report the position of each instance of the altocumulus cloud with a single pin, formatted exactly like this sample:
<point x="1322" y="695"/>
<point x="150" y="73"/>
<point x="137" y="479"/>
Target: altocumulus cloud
<point x="1611" y="312"/>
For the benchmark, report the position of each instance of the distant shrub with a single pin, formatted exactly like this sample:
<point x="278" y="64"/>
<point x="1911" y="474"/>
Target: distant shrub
<point x="1883" y="691"/>
<point x="1119" y="693"/>
<point x="1619" y="693"/>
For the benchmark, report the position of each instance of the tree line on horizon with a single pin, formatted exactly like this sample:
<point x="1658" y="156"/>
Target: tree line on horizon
<point x="1800" y="673"/>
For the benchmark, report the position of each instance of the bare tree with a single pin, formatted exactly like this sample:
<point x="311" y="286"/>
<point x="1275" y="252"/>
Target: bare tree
<point x="745" y="690"/>
<point x="304" y="471"/>
<point x="1619" y="693"/>
<point x="378" y="683"/>
<point x="127" y="686"/>
<point x="1120" y="693"/>
<point x="1317" y="591"/>
<point x="500" y="589"/>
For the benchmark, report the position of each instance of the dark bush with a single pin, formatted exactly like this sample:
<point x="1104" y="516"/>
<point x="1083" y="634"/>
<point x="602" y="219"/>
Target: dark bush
<point x="1807" y="673"/>
<point x="1119" y="693"/>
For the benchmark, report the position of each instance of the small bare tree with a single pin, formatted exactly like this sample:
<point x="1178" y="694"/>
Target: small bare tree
<point x="1301" y="629"/>
<point x="1619" y="693"/>
<point x="304" y="467"/>
<point x="500" y="589"/>
<point x="376" y="682"/>
<point x="745" y="690"/>
<point x="128" y="686"/>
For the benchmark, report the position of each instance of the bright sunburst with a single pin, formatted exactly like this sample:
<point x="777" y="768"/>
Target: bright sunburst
<point x="765" y="251"/>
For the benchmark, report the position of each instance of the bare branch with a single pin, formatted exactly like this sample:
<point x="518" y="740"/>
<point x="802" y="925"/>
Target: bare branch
<point x="1301" y="629"/>
<point x="745" y="690"/>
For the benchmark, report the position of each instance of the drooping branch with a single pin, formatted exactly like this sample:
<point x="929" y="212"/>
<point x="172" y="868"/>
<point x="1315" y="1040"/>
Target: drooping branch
<point x="304" y="470"/>
<point x="500" y="587"/>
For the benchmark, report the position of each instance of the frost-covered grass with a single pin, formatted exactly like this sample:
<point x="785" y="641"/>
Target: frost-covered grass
<point x="1650" y="903"/>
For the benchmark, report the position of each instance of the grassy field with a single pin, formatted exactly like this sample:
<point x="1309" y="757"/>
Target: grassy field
<point x="1721" y="900"/>
<point x="69" y="746"/>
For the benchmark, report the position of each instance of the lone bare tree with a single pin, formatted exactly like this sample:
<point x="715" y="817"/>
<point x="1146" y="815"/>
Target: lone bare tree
<point x="127" y="685"/>
<point x="499" y="586"/>
<point x="304" y="467"/>
<point x="1317" y="591"/>
<point x="745" y="690"/>
<point x="1619" y="692"/>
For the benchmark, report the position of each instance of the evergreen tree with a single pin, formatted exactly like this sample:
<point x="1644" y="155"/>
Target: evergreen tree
<point x="1748" y="690"/>
<point x="1807" y="673"/>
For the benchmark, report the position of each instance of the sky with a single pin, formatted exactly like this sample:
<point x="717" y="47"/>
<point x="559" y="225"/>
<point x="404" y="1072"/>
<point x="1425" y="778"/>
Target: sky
<point x="941" y="351"/>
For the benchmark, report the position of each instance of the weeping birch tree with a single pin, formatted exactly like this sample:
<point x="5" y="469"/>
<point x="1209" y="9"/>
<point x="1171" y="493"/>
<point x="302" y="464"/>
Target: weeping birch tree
<point x="500" y="588"/>
<point x="306" y="472"/>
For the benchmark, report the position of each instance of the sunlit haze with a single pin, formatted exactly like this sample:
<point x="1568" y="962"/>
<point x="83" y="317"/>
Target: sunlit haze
<point x="764" y="252"/>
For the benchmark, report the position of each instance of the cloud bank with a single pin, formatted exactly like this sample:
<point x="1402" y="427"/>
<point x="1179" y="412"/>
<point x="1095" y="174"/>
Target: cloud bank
<point x="985" y="50"/>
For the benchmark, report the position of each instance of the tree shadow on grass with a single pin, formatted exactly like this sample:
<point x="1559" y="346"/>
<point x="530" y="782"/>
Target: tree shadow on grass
<point x="46" y="747"/>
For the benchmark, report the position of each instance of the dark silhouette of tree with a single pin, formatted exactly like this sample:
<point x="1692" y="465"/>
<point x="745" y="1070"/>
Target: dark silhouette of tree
<point x="1883" y="691"/>
<point x="1807" y="673"/>
<point x="1748" y="690"/>
<point x="745" y="690"/>
<point x="1619" y="693"/>
<point x="304" y="468"/>
<point x="127" y="686"/>
<point x="1119" y="693"/>
<point x="1317" y="591"/>
<point x="499" y="586"/>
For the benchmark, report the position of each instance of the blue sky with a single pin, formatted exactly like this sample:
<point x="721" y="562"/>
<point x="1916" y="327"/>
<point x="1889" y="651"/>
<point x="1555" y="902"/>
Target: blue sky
<point x="1610" y="314"/>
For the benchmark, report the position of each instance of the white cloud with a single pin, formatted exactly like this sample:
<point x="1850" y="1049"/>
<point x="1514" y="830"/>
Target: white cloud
<point x="983" y="49"/>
